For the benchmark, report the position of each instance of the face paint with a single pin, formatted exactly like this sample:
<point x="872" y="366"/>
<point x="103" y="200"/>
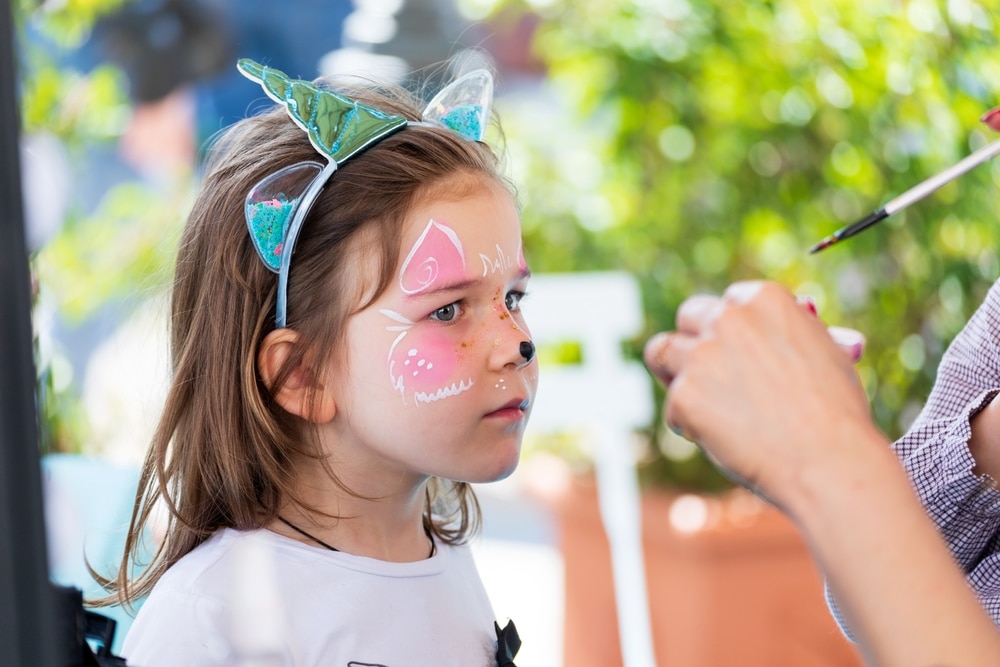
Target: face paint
<point x="423" y="363"/>
<point x="497" y="264"/>
<point x="436" y="257"/>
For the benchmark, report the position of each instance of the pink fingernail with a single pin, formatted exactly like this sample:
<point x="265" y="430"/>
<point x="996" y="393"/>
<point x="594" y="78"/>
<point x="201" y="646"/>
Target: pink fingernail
<point x="850" y="340"/>
<point x="992" y="119"/>
<point x="809" y="304"/>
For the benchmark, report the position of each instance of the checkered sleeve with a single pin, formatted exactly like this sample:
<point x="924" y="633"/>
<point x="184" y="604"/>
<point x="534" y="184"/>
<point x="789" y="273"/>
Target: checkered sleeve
<point x="935" y="452"/>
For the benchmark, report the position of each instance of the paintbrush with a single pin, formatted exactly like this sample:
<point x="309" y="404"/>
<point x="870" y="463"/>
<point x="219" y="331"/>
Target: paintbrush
<point x="912" y="196"/>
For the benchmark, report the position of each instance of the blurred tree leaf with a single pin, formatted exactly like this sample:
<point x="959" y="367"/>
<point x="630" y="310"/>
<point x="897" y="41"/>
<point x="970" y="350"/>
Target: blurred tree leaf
<point x="121" y="252"/>
<point x="696" y="143"/>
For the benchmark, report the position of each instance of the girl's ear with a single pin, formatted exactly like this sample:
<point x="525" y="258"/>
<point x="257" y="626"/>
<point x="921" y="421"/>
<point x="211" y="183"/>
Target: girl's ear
<point x="295" y="393"/>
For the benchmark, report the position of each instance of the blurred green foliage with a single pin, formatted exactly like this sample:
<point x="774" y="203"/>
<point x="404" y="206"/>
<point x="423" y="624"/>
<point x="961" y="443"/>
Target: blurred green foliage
<point x="121" y="251"/>
<point x="698" y="142"/>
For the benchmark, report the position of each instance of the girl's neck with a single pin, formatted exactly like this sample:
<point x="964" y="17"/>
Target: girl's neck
<point x="385" y="527"/>
<point x="400" y="548"/>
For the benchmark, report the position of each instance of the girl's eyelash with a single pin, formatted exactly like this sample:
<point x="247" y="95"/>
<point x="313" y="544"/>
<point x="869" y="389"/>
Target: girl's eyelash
<point x="457" y="305"/>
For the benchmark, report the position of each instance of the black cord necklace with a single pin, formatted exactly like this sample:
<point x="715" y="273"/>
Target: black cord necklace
<point x="305" y="534"/>
<point x="332" y="548"/>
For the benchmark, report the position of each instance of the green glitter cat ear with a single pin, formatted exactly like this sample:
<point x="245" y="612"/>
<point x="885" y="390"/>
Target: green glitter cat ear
<point x="338" y="127"/>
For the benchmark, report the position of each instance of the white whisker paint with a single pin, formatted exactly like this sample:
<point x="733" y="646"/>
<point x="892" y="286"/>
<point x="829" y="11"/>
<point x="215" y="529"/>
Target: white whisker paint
<point x="443" y="392"/>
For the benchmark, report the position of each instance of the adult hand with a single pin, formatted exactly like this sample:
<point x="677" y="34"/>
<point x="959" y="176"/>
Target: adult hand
<point x="757" y="380"/>
<point x="992" y="119"/>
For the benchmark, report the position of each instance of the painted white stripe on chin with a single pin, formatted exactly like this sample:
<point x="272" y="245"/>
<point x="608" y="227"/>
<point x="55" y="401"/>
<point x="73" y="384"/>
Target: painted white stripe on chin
<point x="444" y="392"/>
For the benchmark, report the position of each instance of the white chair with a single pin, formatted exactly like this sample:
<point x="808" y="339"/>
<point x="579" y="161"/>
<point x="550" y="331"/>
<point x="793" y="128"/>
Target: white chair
<point x="607" y="397"/>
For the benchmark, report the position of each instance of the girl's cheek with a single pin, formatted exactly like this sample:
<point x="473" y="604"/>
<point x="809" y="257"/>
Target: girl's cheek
<point x="425" y="362"/>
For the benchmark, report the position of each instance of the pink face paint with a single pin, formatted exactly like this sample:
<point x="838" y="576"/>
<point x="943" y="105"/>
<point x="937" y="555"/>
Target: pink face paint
<point x="436" y="257"/>
<point x="421" y="361"/>
<point x="426" y="364"/>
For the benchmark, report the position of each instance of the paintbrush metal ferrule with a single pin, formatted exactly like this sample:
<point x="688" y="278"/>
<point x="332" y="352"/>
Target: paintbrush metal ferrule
<point x="913" y="195"/>
<point x="850" y="230"/>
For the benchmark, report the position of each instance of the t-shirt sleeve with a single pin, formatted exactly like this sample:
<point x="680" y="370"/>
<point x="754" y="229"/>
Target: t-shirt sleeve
<point x="176" y="628"/>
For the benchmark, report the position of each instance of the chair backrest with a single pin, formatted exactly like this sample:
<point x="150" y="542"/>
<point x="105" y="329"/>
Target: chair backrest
<point x="588" y="316"/>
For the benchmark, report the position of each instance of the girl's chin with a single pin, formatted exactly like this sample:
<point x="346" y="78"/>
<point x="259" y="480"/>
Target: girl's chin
<point x="503" y="469"/>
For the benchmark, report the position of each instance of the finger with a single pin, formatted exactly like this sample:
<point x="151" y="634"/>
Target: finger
<point x="652" y="355"/>
<point x="672" y="418"/>
<point x="697" y="312"/>
<point x="744" y="291"/>
<point x="992" y="119"/>
<point x="808" y="303"/>
<point x="666" y="354"/>
<point x="849" y="340"/>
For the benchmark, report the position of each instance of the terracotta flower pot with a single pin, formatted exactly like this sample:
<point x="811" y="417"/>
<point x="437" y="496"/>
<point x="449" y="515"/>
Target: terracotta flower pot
<point x="730" y="582"/>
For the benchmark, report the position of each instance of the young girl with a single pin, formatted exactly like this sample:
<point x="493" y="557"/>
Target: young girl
<point x="348" y="354"/>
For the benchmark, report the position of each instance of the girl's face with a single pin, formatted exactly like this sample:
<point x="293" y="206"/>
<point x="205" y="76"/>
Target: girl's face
<point x="436" y="383"/>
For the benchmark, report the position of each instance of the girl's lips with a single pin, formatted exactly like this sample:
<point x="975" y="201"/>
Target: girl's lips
<point x="512" y="408"/>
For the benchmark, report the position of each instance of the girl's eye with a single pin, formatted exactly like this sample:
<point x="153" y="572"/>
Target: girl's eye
<point x="445" y="314"/>
<point x="514" y="300"/>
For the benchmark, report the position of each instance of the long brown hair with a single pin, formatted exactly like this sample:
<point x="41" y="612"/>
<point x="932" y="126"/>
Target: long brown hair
<point x="223" y="452"/>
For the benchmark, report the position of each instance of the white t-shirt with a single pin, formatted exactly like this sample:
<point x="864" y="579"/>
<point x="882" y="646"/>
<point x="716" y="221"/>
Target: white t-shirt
<point x="258" y="598"/>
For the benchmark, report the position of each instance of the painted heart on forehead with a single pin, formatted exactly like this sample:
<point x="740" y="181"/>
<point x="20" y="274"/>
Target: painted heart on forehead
<point x="436" y="257"/>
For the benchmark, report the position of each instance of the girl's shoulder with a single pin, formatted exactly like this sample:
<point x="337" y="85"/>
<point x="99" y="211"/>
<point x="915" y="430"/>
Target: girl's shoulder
<point x="205" y="566"/>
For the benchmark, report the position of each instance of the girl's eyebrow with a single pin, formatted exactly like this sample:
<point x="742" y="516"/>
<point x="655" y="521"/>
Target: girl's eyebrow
<point x="458" y="285"/>
<point x="452" y="286"/>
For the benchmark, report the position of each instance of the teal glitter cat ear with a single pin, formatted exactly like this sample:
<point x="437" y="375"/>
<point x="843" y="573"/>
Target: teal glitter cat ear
<point x="464" y="104"/>
<point x="270" y="205"/>
<point x="338" y="128"/>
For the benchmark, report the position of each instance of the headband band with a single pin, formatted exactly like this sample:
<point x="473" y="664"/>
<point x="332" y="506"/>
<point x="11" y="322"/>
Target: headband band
<point x="339" y="128"/>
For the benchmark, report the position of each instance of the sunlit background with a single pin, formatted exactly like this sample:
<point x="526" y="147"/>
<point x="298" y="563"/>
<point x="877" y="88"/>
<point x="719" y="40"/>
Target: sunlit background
<point x="689" y="143"/>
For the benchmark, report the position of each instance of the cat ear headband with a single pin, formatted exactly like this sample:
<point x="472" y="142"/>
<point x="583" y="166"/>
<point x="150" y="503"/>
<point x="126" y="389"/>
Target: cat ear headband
<point x="339" y="128"/>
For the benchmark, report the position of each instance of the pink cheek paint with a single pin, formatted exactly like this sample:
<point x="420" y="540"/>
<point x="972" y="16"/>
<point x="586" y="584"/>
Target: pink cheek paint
<point x="437" y="256"/>
<point x="425" y="362"/>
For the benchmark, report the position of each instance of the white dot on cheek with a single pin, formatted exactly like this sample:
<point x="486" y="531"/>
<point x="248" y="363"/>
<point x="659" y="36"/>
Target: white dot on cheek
<point x="412" y="353"/>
